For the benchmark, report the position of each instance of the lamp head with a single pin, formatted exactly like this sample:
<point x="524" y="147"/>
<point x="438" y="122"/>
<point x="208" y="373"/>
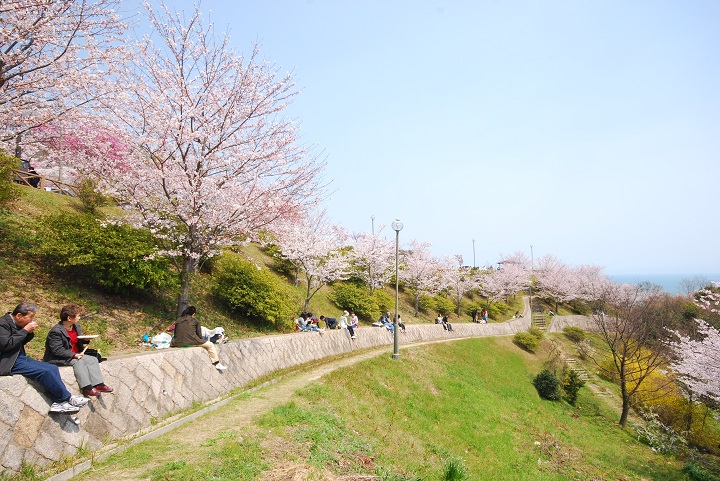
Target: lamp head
<point x="397" y="225"/>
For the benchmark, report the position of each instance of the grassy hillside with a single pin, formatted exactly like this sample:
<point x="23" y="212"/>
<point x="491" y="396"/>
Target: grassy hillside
<point x="122" y="321"/>
<point x="466" y="406"/>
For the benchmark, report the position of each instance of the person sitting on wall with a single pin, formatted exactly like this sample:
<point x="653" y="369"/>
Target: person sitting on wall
<point x="64" y="347"/>
<point x="385" y="320"/>
<point x="400" y="323"/>
<point x="188" y="333"/>
<point x="304" y="323"/>
<point x="446" y="325"/>
<point x="330" y="322"/>
<point x="16" y="330"/>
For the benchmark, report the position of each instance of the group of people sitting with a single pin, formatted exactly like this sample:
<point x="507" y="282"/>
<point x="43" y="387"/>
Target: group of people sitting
<point x="443" y="319"/>
<point x="66" y="345"/>
<point x="388" y="324"/>
<point x="308" y="322"/>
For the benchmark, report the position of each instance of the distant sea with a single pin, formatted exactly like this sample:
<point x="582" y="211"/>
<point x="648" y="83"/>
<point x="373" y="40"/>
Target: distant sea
<point x="670" y="283"/>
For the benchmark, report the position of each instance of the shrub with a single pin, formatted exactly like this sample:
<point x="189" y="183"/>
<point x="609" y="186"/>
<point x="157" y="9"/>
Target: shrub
<point x="661" y="438"/>
<point x="355" y="298"/>
<point x="575" y="334"/>
<point x="537" y="332"/>
<point x="256" y="294"/>
<point x="547" y="385"/>
<point x="427" y="304"/>
<point x="697" y="472"/>
<point x="383" y="300"/>
<point x="571" y="386"/>
<point x="8" y="190"/>
<point x="112" y="257"/>
<point x="497" y="310"/>
<point x="88" y="194"/>
<point x="454" y="470"/>
<point x="526" y="341"/>
<point x="444" y="305"/>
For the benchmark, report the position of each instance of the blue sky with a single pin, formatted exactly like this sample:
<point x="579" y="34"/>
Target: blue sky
<point x="589" y="130"/>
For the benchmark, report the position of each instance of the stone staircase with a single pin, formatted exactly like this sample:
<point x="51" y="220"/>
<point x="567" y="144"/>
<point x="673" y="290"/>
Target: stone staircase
<point x="574" y="366"/>
<point x="538" y="320"/>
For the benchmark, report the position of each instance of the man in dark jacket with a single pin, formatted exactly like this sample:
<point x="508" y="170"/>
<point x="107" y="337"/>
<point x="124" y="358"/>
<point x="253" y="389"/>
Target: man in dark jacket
<point x="189" y="333"/>
<point x="16" y="330"/>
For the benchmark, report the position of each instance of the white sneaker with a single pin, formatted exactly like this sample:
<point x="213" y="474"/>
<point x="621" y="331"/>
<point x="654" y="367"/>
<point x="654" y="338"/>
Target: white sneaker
<point x="353" y="337"/>
<point x="64" y="407"/>
<point x="220" y="367"/>
<point x="78" y="401"/>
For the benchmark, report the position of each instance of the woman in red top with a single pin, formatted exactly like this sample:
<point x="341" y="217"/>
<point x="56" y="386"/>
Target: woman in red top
<point x="63" y="348"/>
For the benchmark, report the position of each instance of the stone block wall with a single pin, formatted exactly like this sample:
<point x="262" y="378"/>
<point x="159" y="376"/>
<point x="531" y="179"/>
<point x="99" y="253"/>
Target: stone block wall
<point x="153" y="385"/>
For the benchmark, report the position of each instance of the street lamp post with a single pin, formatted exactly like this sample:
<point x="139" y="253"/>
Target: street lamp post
<point x="397" y="227"/>
<point x="532" y="268"/>
<point x="372" y="219"/>
<point x="473" y="253"/>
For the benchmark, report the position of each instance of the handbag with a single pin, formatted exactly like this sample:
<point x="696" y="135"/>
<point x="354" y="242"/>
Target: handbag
<point x="95" y="353"/>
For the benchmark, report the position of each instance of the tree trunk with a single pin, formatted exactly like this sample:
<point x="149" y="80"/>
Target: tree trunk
<point x="188" y="269"/>
<point x="625" y="410"/>
<point x="625" y="397"/>
<point x="307" y="296"/>
<point x="417" y="304"/>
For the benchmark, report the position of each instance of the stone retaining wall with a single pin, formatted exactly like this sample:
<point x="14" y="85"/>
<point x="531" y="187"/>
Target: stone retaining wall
<point x="153" y="385"/>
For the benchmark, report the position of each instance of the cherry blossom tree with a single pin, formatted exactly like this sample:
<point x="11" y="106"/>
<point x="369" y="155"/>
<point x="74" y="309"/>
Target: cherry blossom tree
<point x="212" y="161"/>
<point x="54" y="56"/>
<point x="697" y="359"/>
<point x="458" y="279"/>
<point x="316" y="248"/>
<point x="373" y="258"/>
<point x="512" y="277"/>
<point x="420" y="271"/>
<point x="590" y="282"/>
<point x="555" y="280"/>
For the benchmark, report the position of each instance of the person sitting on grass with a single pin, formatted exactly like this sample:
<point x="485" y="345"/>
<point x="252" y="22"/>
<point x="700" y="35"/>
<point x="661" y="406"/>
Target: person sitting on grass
<point x="188" y="333"/>
<point x="64" y="347"/>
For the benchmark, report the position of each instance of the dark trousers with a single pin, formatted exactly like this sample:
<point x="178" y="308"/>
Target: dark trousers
<point x="351" y="331"/>
<point x="45" y="373"/>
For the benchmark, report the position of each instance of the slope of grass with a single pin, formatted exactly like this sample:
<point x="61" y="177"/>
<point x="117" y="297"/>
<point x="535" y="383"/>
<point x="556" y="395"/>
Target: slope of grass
<point x="443" y="409"/>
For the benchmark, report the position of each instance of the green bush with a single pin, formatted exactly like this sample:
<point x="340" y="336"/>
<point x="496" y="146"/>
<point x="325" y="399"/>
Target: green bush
<point x="537" y="332"/>
<point x="571" y="386"/>
<point x="444" y="305"/>
<point x="355" y="298"/>
<point x="497" y="310"/>
<point x="427" y="304"/>
<point x="256" y="294"/>
<point x="384" y="301"/>
<point x="115" y="258"/>
<point x="8" y="190"/>
<point x="547" y="385"/>
<point x="697" y="472"/>
<point x="575" y="334"/>
<point x="88" y="194"/>
<point x="454" y="469"/>
<point x="526" y="341"/>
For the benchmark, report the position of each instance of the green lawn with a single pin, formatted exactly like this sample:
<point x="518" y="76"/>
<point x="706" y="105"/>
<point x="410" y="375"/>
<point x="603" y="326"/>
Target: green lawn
<point x="468" y="404"/>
